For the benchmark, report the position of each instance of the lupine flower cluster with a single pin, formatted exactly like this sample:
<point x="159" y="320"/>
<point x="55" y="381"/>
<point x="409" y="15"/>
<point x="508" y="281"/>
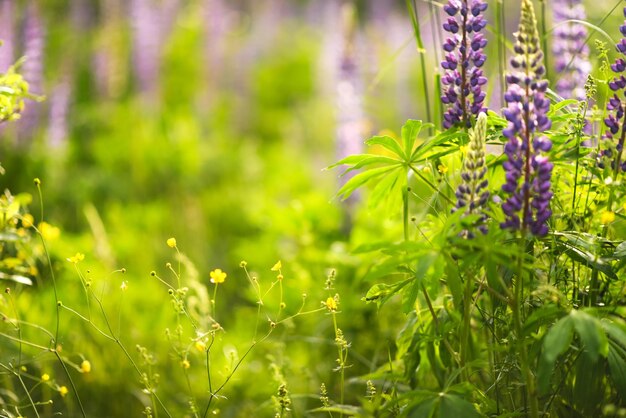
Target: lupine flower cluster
<point x="616" y="122"/>
<point x="570" y="49"/>
<point x="463" y="78"/>
<point x="472" y="193"/>
<point x="528" y="171"/>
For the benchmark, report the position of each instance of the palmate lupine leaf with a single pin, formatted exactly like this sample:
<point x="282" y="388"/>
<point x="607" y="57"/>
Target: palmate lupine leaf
<point x="392" y="171"/>
<point x="559" y="337"/>
<point x="616" y="333"/>
<point x="440" y="405"/>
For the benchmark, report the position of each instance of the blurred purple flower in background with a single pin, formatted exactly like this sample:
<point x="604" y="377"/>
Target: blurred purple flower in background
<point x="569" y="48"/>
<point x="59" y="102"/>
<point x="463" y="77"/>
<point x="145" y="21"/>
<point x="152" y="23"/>
<point x="7" y="34"/>
<point x="32" y="69"/>
<point x="528" y="171"/>
<point x="350" y="115"/>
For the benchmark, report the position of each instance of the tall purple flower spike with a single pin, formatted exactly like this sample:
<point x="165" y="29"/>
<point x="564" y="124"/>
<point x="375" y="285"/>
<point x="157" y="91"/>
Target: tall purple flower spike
<point x="569" y="48"/>
<point x="463" y="77"/>
<point x="528" y="171"/>
<point x="616" y="121"/>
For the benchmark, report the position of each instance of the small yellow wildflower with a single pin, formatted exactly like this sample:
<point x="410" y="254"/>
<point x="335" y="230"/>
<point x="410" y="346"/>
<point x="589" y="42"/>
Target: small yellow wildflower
<point x="185" y="364"/>
<point x="442" y="169"/>
<point x="124" y="286"/>
<point x="463" y="149"/>
<point x="200" y="345"/>
<point x="277" y="266"/>
<point x="426" y="169"/>
<point x="28" y="220"/>
<point x="76" y="258"/>
<point x="607" y="217"/>
<point x="217" y="276"/>
<point x="331" y="304"/>
<point x="45" y="377"/>
<point x="63" y="390"/>
<point x="85" y="366"/>
<point x="49" y="232"/>
<point x="171" y="242"/>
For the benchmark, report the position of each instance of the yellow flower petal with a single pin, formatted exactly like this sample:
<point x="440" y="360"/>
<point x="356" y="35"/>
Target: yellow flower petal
<point x="217" y="276"/>
<point x="607" y="217"/>
<point x="277" y="266"/>
<point x="171" y="242"/>
<point x="331" y="304"/>
<point x="85" y="366"/>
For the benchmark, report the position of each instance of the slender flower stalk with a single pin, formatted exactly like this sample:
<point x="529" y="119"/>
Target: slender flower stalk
<point x="569" y="48"/>
<point x="472" y="193"/>
<point x="463" y="77"/>
<point x="528" y="170"/>
<point x="616" y="107"/>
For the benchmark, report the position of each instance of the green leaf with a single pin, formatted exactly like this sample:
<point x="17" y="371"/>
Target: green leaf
<point x="617" y="367"/>
<point x="381" y="292"/>
<point x="453" y="280"/>
<point x="589" y="259"/>
<point x="348" y="410"/>
<point x="591" y="334"/>
<point x="360" y="179"/>
<point x="453" y="406"/>
<point x="620" y="251"/>
<point x="409" y="133"/>
<point x="445" y="138"/>
<point x="410" y="294"/>
<point x="361" y="160"/>
<point x="423" y="409"/>
<point x="16" y="278"/>
<point x="542" y="316"/>
<point x="387" y="188"/>
<point x="10" y="237"/>
<point x="556" y="342"/>
<point x="387" y="142"/>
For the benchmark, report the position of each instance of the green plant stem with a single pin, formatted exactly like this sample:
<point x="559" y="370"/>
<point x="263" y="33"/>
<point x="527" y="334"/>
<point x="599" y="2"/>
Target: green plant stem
<point x="412" y="8"/>
<point x="544" y="37"/>
<point x="465" y="333"/>
<point x="57" y="302"/>
<point x="517" y="307"/>
<point x="431" y="185"/>
<point x="342" y="365"/>
<point x="500" y="22"/>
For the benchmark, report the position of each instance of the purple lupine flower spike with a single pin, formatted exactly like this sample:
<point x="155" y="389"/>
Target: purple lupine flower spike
<point x="463" y="76"/>
<point x="528" y="170"/>
<point x="569" y="48"/>
<point x="616" y="121"/>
